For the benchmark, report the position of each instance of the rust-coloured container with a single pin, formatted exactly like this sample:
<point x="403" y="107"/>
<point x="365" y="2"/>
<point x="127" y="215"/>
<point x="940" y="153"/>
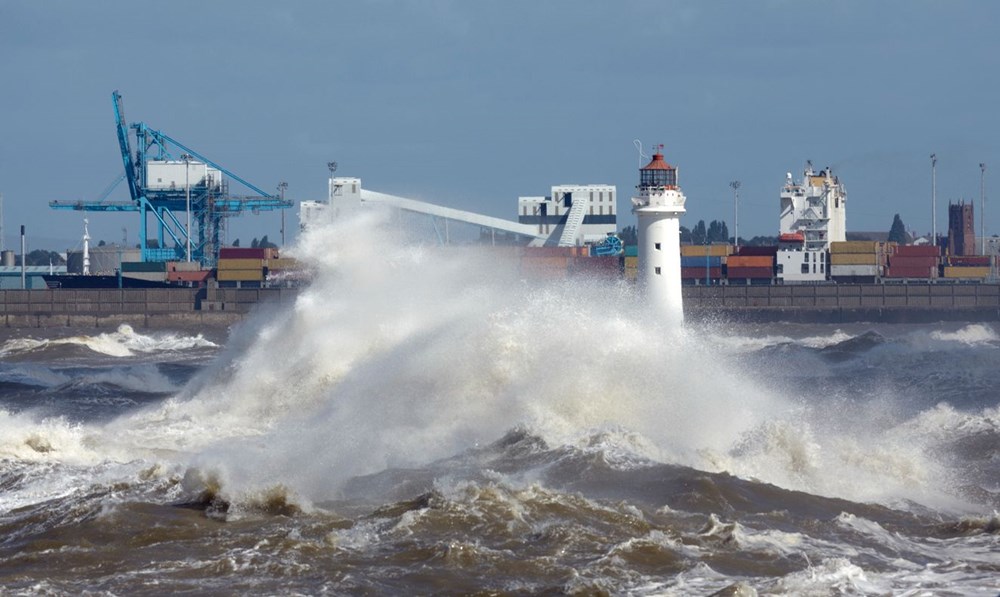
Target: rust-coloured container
<point x="906" y="261"/>
<point x="910" y="272"/>
<point x="917" y="251"/>
<point x="740" y="261"/>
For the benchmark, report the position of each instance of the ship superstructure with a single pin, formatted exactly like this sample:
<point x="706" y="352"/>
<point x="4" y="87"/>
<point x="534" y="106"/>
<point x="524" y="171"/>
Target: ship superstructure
<point x="813" y="214"/>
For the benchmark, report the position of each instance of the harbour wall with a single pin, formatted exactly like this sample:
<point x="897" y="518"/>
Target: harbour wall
<point x="165" y="308"/>
<point x="820" y="303"/>
<point x="920" y="302"/>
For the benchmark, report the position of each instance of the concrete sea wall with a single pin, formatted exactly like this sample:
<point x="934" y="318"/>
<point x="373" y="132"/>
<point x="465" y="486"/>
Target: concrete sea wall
<point x="139" y="307"/>
<point x="842" y="303"/>
<point x="822" y="303"/>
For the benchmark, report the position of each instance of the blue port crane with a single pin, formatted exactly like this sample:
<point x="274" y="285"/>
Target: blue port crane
<point x="164" y="186"/>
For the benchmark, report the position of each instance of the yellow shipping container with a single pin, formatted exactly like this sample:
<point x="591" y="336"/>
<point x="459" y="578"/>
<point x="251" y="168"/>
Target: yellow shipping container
<point x="239" y="275"/>
<point x="703" y="250"/>
<point x="854" y="246"/>
<point x="240" y="264"/>
<point x="631" y="262"/>
<point x="853" y="259"/>
<point x="283" y="263"/>
<point x="966" y="272"/>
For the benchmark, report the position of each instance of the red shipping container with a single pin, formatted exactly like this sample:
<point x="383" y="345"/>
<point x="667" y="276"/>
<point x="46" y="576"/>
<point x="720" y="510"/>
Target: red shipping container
<point x="750" y="272"/>
<point x="757" y="251"/>
<point x="910" y="272"/>
<point x="698" y="273"/>
<point x="917" y="251"/>
<point x="970" y="260"/>
<point x="897" y="261"/>
<point x="243" y="253"/>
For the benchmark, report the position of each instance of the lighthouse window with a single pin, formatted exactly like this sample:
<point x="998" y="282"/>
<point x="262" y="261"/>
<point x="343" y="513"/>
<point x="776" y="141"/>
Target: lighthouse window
<point x="656" y="246"/>
<point x="656" y="270"/>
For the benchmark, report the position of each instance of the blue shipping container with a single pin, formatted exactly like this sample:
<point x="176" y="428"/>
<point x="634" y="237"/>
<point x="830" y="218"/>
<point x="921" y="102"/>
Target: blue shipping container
<point x="701" y="261"/>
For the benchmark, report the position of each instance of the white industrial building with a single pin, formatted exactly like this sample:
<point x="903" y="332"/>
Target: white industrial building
<point x="579" y="214"/>
<point x="813" y="214"/>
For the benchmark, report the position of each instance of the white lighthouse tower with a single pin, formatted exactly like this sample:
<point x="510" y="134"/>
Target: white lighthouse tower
<point x="659" y="206"/>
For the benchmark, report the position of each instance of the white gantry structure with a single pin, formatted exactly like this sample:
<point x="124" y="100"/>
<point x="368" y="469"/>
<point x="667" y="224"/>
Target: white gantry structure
<point x="658" y="206"/>
<point x="573" y="215"/>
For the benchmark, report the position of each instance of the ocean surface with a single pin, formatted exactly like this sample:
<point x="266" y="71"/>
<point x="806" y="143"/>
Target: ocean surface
<point x="426" y="422"/>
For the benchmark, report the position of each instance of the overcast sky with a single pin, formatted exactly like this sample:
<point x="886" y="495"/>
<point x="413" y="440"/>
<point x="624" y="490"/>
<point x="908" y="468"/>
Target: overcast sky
<point x="472" y="103"/>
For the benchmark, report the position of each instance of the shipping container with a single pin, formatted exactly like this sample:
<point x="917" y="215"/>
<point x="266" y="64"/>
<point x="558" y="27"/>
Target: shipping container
<point x="701" y="261"/>
<point x="632" y="250"/>
<point x="282" y="263"/>
<point x="749" y="272"/>
<point x="240" y="275"/>
<point x="239" y="264"/>
<point x="183" y="266"/>
<point x="696" y="273"/>
<point x="854" y="246"/>
<point x="917" y="251"/>
<point x="198" y="277"/>
<point x="703" y="250"/>
<point x="245" y="253"/>
<point x="757" y="251"/>
<point x="740" y="261"/>
<point x="148" y="276"/>
<point x="144" y="266"/>
<point x="967" y="272"/>
<point x="854" y="258"/>
<point x="868" y="271"/>
<point x="910" y="272"/>
<point x="970" y="260"/>
<point x="906" y="261"/>
<point x="632" y="262"/>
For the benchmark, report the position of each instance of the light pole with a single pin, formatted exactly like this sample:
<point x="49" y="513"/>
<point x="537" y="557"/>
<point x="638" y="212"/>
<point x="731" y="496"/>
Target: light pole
<point x="187" y="195"/>
<point x="934" y="199"/>
<point x="736" y="209"/>
<point x="281" y="189"/>
<point x="982" y="205"/>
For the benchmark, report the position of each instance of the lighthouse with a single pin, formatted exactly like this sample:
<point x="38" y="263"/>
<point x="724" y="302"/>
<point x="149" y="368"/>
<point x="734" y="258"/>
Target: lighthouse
<point x="658" y="206"/>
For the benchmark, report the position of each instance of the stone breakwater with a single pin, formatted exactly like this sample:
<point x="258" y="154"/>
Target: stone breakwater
<point x="820" y="303"/>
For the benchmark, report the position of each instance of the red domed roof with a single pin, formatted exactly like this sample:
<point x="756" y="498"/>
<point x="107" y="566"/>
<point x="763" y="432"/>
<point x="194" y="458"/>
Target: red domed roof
<point x="658" y="163"/>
